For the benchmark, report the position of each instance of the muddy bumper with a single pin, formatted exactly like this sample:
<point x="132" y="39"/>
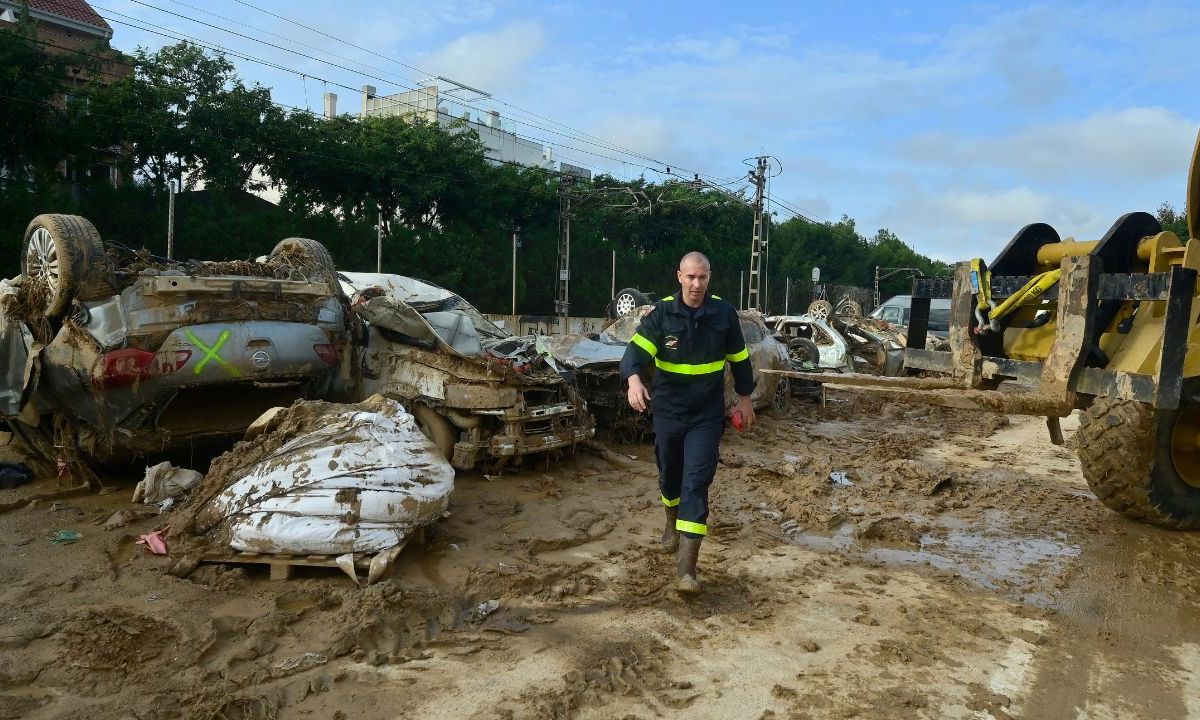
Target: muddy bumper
<point x="527" y="431"/>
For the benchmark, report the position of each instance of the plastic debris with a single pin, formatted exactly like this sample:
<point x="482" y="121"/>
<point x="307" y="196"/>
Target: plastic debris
<point x="483" y="609"/>
<point x="14" y="475"/>
<point x="838" y="477"/>
<point x="154" y="541"/>
<point x="66" y="537"/>
<point x="164" y="481"/>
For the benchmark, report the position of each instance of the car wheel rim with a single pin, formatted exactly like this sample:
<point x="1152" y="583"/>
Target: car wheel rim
<point x="42" y="259"/>
<point x="1185" y="445"/>
<point x="625" y="304"/>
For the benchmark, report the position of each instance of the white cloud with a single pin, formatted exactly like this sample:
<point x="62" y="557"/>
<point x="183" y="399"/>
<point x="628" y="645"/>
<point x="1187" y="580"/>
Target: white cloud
<point x="1109" y="146"/>
<point x="492" y="61"/>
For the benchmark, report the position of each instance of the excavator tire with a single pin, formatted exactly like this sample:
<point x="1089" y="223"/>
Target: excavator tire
<point x="1142" y="462"/>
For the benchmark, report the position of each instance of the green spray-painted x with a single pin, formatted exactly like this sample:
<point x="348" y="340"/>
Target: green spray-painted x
<point x="212" y="353"/>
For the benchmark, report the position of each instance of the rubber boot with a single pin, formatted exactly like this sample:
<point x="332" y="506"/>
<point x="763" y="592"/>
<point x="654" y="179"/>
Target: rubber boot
<point x="685" y="566"/>
<point x="670" y="537"/>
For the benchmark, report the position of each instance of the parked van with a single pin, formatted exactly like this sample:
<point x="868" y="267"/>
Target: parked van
<point x="896" y="311"/>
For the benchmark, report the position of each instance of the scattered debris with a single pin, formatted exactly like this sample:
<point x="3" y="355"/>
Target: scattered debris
<point x="154" y="541"/>
<point x="14" y="475"/>
<point x="838" y="477"/>
<point x="65" y="537"/>
<point x="164" y="481"/>
<point x="483" y="609"/>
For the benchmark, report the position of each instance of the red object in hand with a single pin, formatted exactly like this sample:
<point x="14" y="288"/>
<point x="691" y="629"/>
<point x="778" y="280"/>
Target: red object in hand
<point x="736" y="419"/>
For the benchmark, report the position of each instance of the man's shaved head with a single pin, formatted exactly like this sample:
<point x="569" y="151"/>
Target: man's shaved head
<point x="696" y="258"/>
<point x="694" y="273"/>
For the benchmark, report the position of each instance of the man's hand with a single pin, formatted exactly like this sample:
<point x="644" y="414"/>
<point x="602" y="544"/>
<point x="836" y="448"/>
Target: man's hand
<point x="638" y="395"/>
<point x="746" y="408"/>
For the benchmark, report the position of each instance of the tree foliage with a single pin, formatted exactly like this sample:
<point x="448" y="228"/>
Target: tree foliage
<point x="448" y="214"/>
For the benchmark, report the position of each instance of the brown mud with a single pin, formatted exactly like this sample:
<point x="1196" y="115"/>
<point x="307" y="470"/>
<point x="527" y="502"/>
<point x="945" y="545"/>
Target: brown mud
<point x="957" y="566"/>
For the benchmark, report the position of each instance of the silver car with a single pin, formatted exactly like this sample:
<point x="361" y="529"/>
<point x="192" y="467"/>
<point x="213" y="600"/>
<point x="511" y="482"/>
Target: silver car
<point x="112" y="364"/>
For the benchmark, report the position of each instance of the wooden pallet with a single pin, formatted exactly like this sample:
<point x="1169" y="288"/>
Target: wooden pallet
<point x="282" y="566"/>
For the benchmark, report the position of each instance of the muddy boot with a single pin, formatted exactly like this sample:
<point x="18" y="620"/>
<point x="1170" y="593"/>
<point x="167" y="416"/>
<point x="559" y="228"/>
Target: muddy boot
<point x="685" y="567"/>
<point x="669" y="542"/>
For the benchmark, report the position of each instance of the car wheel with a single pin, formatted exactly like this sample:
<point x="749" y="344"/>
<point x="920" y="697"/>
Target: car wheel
<point x="850" y="309"/>
<point x="437" y="428"/>
<point x="627" y="300"/>
<point x="820" y="309"/>
<point x="64" y="253"/>
<point x="310" y="257"/>
<point x="802" y="350"/>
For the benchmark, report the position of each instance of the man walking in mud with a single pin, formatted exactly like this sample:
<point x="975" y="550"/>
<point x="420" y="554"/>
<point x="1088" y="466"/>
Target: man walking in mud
<point x="687" y="339"/>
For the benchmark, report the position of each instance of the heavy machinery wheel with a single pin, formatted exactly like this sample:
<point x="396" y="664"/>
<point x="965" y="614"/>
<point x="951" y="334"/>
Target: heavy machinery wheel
<point x="803" y="350"/>
<point x="849" y="309"/>
<point x="782" y="402"/>
<point x="1142" y="462"/>
<point x="820" y="309"/>
<point x="625" y="301"/>
<point x="66" y="254"/>
<point x="312" y="258"/>
<point x="437" y="428"/>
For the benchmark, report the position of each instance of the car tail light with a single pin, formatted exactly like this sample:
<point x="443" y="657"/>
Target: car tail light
<point x="129" y="365"/>
<point x="327" y="353"/>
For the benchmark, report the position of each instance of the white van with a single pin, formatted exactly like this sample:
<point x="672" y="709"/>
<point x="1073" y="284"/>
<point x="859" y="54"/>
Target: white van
<point x="896" y="311"/>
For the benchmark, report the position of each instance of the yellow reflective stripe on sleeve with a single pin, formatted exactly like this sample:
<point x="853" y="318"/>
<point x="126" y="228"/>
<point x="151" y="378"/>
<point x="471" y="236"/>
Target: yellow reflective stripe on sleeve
<point x="669" y="298"/>
<point x="644" y="344"/>
<point x="684" y="369"/>
<point x="739" y="356"/>
<point x="715" y="297"/>
<point x="670" y="503"/>
<point x="688" y="526"/>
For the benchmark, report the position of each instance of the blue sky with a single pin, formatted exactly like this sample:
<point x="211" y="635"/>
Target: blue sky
<point x="952" y="125"/>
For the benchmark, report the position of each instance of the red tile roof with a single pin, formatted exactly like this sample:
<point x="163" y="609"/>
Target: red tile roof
<point x="77" y="10"/>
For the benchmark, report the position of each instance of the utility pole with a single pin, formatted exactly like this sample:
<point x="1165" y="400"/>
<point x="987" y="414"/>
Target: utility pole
<point x="170" y="219"/>
<point x="759" y="178"/>
<point x="378" y="239"/>
<point x="562" y="302"/>
<point x="612" y="286"/>
<point x="787" y="293"/>
<point x="742" y="290"/>
<point x="514" y="329"/>
<point x="756" y="295"/>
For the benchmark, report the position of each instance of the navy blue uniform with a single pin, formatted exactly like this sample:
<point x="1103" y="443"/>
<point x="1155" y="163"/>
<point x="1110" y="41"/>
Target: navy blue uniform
<point x="688" y="349"/>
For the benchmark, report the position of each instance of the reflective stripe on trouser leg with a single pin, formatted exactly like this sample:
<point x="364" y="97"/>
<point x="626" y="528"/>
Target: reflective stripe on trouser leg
<point x="668" y="455"/>
<point x="701" y="448"/>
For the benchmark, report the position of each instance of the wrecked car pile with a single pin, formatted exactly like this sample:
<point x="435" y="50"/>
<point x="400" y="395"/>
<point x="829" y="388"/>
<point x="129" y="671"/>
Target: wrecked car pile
<point x="116" y="363"/>
<point x="841" y="344"/>
<point x="596" y="360"/>
<point x="481" y="395"/>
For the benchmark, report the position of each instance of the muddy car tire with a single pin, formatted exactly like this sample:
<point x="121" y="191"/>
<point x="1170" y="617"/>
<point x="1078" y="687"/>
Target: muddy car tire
<point x="66" y="253"/>
<point x="820" y="309"/>
<point x="1137" y="461"/>
<point x="801" y="349"/>
<point x="438" y="429"/>
<point x="627" y="301"/>
<point x="849" y="309"/>
<point x="316" y="262"/>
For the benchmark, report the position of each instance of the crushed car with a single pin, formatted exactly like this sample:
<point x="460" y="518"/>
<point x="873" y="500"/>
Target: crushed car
<point x="111" y="354"/>
<point x="482" y="395"/>
<point x="596" y="358"/>
<point x="840" y="344"/>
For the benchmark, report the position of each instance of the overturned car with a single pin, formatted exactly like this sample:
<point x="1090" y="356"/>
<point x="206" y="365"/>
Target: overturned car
<point x="596" y="359"/>
<point x="109" y="357"/>
<point x="483" y="396"/>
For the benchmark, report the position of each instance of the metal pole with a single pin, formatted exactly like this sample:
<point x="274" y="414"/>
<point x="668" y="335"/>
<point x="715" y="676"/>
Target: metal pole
<point x="876" y="296"/>
<point x="515" y="331"/>
<point x="742" y="290"/>
<point x="787" y="293"/>
<point x="171" y="220"/>
<point x="613" y="285"/>
<point x="378" y="239"/>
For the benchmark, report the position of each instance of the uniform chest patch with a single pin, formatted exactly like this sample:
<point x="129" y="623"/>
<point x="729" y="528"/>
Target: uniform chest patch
<point x="671" y="342"/>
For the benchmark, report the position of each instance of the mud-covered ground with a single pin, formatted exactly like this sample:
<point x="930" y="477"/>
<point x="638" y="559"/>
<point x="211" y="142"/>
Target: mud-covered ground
<point x="965" y="571"/>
